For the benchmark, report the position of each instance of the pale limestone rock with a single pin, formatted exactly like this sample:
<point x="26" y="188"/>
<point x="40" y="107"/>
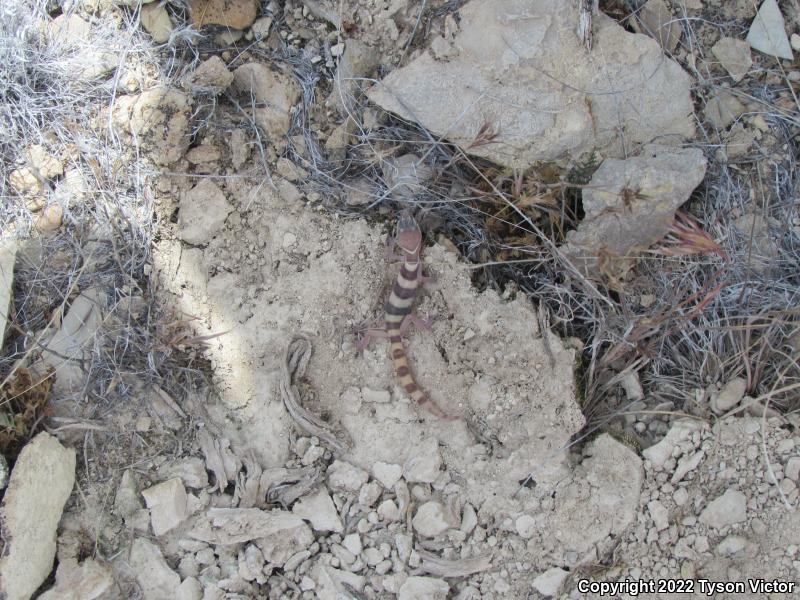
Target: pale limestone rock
<point x="768" y="32"/>
<point x="727" y="509"/>
<point x="261" y="27"/>
<point x="469" y="519"/>
<point x="167" y="502"/>
<point x="681" y="431"/>
<point x="424" y="464"/>
<point x="189" y="589"/>
<point x="629" y="205"/>
<point x="156" y="21"/>
<point x="388" y="511"/>
<point x="723" y="109"/>
<point x="156" y="580"/>
<point x="659" y="514"/>
<point x="8" y="258"/>
<point x="47" y="165"/>
<point x="352" y="542"/>
<point x="191" y="470"/>
<point x="729" y="396"/>
<point x="278" y="534"/>
<point x="318" y="509"/>
<point x="432" y="518"/>
<point x="159" y="119"/>
<point x="212" y="75"/>
<point x="203" y="211"/>
<point x="549" y="583"/>
<point x="524" y="77"/>
<point x="734" y="56"/>
<point x="660" y="24"/>
<point x="40" y="484"/>
<point x="126" y="501"/>
<point x="343" y="476"/>
<point x="274" y="94"/>
<point x="387" y="474"/>
<point x="526" y="526"/>
<point x="332" y="584"/>
<point x="423" y="588"/>
<point x="89" y="579"/>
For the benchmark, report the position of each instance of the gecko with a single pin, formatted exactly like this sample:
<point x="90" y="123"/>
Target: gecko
<point x="398" y="315"/>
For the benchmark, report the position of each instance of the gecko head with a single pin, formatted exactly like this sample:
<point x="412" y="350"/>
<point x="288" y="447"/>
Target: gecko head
<point x="409" y="237"/>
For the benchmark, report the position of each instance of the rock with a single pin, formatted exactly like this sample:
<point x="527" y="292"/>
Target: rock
<point x="768" y="32"/>
<point x="681" y="431"/>
<point x="792" y="469"/>
<point x="318" y="509"/>
<point x="387" y="474"/>
<point x="278" y="534"/>
<point x="203" y="211"/>
<point x="523" y="88"/>
<point x="274" y="93"/>
<point x="88" y="61"/>
<point x="333" y="584"/>
<point x="344" y="477"/>
<point x="406" y="176"/>
<point x="424" y="463"/>
<point x="25" y="182"/>
<point x="352" y="542"/>
<point x="729" y="508"/>
<point x="126" y="502"/>
<point x="49" y="219"/>
<point x="357" y="63"/>
<point x="423" y="588"/>
<point x="526" y="526"/>
<point x="632" y="386"/>
<point x="794" y="41"/>
<point x="757" y="232"/>
<point x="432" y="519"/>
<point x="189" y="589"/>
<point x="388" y="511"/>
<point x="260" y="27"/>
<point x="660" y="24"/>
<point x="734" y="56"/>
<point x="686" y="464"/>
<point x="67" y="351"/>
<point x="159" y="121"/>
<point x="729" y="396"/>
<point x="659" y="514"/>
<point x="211" y="76"/>
<point x="45" y="164"/>
<point x="8" y="258"/>
<point x="156" y="21"/>
<point x="629" y="205"/>
<point x="469" y="519"/>
<point x="723" y="109"/>
<point x="156" y="580"/>
<point x="234" y="14"/>
<point x="89" y="579"/>
<point x="733" y="545"/>
<point x="191" y="470"/>
<point x="549" y="583"/>
<point x="167" y="504"/>
<point x="40" y="485"/>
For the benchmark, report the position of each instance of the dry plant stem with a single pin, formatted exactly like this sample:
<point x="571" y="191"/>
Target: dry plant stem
<point x="298" y="353"/>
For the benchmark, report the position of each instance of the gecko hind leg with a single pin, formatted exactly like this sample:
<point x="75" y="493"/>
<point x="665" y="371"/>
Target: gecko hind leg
<point x="418" y="322"/>
<point x="369" y="334"/>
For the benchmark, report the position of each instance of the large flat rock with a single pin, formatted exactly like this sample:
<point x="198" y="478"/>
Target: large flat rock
<point x="518" y="70"/>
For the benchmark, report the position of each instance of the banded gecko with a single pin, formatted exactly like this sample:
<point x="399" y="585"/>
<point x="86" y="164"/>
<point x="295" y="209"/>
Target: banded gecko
<point x="398" y="315"/>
